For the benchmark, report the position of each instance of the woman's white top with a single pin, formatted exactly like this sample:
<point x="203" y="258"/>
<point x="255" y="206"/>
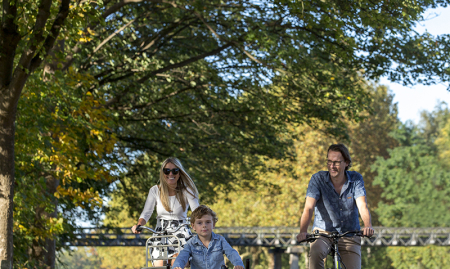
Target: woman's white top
<point x="177" y="210"/>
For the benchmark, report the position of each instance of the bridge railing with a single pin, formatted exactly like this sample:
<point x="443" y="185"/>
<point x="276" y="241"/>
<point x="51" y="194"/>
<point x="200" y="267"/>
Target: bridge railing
<point x="266" y="236"/>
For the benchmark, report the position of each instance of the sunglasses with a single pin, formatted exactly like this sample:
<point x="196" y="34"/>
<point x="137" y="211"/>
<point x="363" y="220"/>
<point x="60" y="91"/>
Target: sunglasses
<point x="174" y="171"/>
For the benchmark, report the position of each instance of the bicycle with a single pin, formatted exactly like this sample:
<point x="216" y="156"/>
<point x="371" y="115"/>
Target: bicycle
<point x="334" y="251"/>
<point x="165" y="235"/>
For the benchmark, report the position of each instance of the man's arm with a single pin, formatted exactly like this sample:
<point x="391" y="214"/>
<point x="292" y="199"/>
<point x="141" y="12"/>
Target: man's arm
<point x="308" y="211"/>
<point x="361" y="203"/>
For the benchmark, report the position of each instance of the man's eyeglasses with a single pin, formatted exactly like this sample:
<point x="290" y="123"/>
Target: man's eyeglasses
<point x="174" y="171"/>
<point x="335" y="163"/>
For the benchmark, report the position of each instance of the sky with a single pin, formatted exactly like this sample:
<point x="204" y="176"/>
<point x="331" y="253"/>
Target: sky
<point x="412" y="100"/>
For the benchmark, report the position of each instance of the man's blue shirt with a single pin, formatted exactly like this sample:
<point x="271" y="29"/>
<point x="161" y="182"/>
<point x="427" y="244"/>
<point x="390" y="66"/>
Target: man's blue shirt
<point x="207" y="258"/>
<point x="335" y="212"/>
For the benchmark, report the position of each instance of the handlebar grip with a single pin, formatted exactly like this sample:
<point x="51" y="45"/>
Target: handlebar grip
<point x="138" y="228"/>
<point x="309" y="238"/>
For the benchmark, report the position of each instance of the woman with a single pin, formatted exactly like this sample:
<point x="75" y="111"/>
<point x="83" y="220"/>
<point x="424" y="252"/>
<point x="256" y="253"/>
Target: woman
<point x="175" y="192"/>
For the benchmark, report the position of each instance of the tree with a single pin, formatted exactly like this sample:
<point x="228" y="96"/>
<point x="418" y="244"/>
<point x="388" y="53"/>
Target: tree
<point x="414" y="179"/>
<point x="283" y="183"/>
<point x="60" y="138"/>
<point x="148" y="70"/>
<point x="29" y="31"/>
<point x="277" y="197"/>
<point x="371" y="139"/>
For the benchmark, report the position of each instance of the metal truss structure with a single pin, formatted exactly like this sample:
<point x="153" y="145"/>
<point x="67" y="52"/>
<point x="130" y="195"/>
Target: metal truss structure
<point x="280" y="237"/>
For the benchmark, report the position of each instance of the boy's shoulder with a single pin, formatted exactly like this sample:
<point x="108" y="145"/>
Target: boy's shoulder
<point x="217" y="236"/>
<point x="193" y="240"/>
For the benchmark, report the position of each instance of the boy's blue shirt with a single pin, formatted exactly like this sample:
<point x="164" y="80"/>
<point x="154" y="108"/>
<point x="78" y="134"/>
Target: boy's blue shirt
<point x="207" y="258"/>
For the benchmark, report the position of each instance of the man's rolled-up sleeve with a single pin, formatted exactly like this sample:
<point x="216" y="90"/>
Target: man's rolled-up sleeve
<point x="360" y="190"/>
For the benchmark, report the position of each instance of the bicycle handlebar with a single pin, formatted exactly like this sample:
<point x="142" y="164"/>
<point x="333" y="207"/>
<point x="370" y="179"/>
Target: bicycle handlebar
<point x="140" y="228"/>
<point x="313" y="237"/>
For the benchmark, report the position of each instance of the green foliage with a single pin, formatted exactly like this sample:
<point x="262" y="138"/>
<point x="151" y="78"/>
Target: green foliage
<point x="370" y="139"/>
<point x="413" y="182"/>
<point x="60" y="138"/>
<point x="414" y="178"/>
<point x="443" y="143"/>
<point x="80" y="258"/>
<point x="283" y="183"/>
<point x="217" y="85"/>
<point x="376" y="258"/>
<point x="429" y="257"/>
<point x="251" y="68"/>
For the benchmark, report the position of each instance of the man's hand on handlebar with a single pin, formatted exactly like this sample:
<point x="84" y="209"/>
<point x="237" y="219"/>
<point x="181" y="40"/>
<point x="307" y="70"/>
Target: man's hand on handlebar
<point x="133" y="229"/>
<point x="302" y="236"/>
<point x="367" y="231"/>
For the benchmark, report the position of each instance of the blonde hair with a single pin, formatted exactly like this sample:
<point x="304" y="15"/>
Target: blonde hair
<point x="201" y="211"/>
<point x="184" y="184"/>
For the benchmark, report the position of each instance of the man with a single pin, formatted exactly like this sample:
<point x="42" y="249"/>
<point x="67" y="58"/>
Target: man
<point x="336" y="196"/>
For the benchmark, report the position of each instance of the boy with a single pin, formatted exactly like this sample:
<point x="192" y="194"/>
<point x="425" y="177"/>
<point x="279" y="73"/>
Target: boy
<point x="206" y="248"/>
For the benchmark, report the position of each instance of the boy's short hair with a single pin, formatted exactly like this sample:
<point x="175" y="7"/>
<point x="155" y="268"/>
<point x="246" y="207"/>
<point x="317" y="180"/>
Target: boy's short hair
<point x="202" y="210"/>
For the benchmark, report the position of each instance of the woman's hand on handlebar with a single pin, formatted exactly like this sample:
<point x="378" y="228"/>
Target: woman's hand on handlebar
<point x="133" y="229"/>
<point x="302" y="236"/>
<point x="141" y="222"/>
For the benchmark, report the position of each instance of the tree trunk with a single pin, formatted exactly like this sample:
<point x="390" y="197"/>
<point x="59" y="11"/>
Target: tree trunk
<point x="50" y="244"/>
<point x="7" y="130"/>
<point x="44" y="250"/>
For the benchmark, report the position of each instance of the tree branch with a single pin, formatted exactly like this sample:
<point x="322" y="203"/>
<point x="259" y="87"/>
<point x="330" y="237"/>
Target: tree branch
<point x="165" y="32"/>
<point x="112" y="35"/>
<point x="9" y="39"/>
<point x="28" y="61"/>
<point x="36" y="38"/>
<point x="121" y="4"/>
<point x="53" y="34"/>
<point x="22" y="70"/>
<point x="111" y="10"/>
<point x="184" y="63"/>
<point x="157" y="100"/>
<point x="161" y="70"/>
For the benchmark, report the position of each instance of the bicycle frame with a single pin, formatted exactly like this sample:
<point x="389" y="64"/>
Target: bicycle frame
<point x="335" y="254"/>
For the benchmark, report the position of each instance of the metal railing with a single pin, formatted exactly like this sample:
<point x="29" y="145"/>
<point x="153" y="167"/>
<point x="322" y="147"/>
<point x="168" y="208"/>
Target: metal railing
<point x="266" y="237"/>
